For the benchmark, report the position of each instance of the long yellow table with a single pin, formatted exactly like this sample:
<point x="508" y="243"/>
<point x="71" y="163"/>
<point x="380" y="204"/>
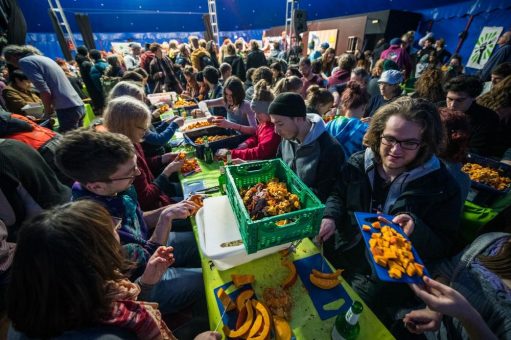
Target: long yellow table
<point x="269" y="272"/>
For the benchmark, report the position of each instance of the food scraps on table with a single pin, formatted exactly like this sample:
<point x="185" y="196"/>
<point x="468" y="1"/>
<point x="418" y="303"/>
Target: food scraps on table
<point x="269" y="199"/>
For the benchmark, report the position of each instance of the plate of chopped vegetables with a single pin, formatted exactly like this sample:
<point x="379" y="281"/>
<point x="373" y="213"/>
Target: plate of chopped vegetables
<point x="392" y="253"/>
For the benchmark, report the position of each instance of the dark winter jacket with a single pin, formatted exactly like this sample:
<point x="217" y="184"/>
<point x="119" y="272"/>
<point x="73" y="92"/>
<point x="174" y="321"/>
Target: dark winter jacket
<point x="317" y="161"/>
<point x="238" y="66"/>
<point x="428" y="193"/>
<point x="256" y="59"/>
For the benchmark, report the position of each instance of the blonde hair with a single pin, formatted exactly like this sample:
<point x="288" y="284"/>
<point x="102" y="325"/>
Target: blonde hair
<point x="262" y="91"/>
<point x="126" y="88"/>
<point x="124" y="115"/>
<point x="288" y="84"/>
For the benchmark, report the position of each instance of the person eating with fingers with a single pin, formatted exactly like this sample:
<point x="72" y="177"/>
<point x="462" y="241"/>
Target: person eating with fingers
<point x="104" y="165"/>
<point x="397" y="174"/>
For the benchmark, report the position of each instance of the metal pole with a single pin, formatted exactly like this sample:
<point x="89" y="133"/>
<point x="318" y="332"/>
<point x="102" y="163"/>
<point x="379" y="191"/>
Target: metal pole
<point x="64" y="21"/>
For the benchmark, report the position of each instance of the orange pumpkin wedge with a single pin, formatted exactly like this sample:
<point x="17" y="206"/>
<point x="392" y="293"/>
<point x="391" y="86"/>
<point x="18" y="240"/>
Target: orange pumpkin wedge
<point x="246" y="325"/>
<point x="330" y="276"/>
<point x="266" y="321"/>
<point x="240" y="280"/>
<point x="281" y="328"/>
<point x="243" y="297"/>
<point x="242" y="316"/>
<point x="225" y="299"/>
<point x="323" y="283"/>
<point x="292" y="276"/>
<point x="256" y="326"/>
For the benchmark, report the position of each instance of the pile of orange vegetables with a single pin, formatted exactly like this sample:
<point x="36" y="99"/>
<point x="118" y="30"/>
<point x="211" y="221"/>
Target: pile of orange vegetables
<point x="393" y="251"/>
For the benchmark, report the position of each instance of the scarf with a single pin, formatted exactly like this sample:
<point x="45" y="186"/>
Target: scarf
<point x="142" y="318"/>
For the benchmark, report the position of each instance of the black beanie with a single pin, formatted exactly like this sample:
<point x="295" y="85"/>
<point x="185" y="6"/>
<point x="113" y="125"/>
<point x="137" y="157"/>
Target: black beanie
<point x="288" y="104"/>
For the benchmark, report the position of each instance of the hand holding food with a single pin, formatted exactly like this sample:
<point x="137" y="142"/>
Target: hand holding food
<point x="173" y="166"/>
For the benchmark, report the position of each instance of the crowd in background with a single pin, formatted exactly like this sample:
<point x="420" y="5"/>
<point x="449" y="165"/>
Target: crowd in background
<point x="382" y="130"/>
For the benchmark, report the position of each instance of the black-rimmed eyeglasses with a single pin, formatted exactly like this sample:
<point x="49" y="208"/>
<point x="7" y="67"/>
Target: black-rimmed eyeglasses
<point x="409" y="144"/>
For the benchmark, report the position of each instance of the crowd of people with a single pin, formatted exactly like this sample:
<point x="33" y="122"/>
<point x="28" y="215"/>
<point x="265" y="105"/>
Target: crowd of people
<point x="95" y="232"/>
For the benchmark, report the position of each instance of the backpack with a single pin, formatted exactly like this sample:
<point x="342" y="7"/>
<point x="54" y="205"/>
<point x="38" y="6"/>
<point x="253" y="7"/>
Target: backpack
<point x="107" y="83"/>
<point x="205" y="61"/>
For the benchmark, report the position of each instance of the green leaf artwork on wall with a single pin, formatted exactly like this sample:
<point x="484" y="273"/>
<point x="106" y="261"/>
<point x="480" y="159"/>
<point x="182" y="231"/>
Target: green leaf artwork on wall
<point x="484" y="46"/>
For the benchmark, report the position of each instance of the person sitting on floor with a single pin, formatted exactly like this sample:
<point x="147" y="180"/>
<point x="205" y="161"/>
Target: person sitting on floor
<point x="389" y="91"/>
<point x="104" y="164"/>
<point x="18" y="93"/>
<point x="319" y="101"/>
<point x="131" y="117"/>
<point x="308" y="149"/>
<point x="23" y="129"/>
<point x="288" y="84"/>
<point x="240" y="116"/>
<point x="398" y="174"/>
<point x="478" y="278"/>
<point x="348" y="129"/>
<point x="160" y="132"/>
<point x="264" y="144"/>
<point x="461" y="95"/>
<point x="90" y="296"/>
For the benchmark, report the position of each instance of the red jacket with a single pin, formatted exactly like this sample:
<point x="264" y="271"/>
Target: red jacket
<point x="149" y="194"/>
<point x="263" y="145"/>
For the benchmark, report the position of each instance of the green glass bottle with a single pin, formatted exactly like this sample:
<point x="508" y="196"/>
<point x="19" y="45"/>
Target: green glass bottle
<point x="222" y="179"/>
<point x="346" y="324"/>
<point x="208" y="153"/>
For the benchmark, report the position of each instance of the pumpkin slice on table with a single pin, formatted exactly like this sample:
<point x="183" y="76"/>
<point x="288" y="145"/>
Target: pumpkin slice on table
<point x="240" y="280"/>
<point x="242" y="316"/>
<point x="243" y="297"/>
<point x="225" y="299"/>
<point x="257" y="325"/>
<point x="323" y="283"/>
<point x="330" y="276"/>
<point x="281" y="328"/>
<point x="265" y="331"/>
<point x="246" y="325"/>
<point x="292" y="276"/>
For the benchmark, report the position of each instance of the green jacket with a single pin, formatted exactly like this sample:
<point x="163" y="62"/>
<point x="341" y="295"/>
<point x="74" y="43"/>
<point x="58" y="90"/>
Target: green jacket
<point x="428" y="193"/>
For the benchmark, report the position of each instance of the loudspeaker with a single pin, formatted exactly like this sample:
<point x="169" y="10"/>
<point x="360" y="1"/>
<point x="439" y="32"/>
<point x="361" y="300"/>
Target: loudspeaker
<point x="300" y="21"/>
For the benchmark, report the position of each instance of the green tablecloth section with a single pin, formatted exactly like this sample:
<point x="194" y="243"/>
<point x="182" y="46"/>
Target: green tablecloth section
<point x="269" y="272"/>
<point x="87" y="119"/>
<point x="89" y="115"/>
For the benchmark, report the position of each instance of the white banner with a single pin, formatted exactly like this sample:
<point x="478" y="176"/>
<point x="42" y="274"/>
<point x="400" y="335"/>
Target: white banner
<point x="484" y="47"/>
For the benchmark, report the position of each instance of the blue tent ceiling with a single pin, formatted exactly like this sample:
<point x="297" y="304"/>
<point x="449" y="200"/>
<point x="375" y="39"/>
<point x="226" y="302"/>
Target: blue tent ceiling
<point x="233" y="15"/>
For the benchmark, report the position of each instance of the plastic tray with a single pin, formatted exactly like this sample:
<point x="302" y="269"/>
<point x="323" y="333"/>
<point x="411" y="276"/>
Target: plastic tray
<point x="504" y="170"/>
<point x="382" y="272"/>
<point x="264" y="233"/>
<point x="164" y="97"/>
<point x="228" y="143"/>
<point x="216" y="224"/>
<point x="194" y="120"/>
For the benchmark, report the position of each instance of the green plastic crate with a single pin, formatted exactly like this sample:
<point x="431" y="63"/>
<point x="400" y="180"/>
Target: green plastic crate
<point x="264" y="233"/>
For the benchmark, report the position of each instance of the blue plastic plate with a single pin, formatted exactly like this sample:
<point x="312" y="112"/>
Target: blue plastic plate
<point x="382" y="272"/>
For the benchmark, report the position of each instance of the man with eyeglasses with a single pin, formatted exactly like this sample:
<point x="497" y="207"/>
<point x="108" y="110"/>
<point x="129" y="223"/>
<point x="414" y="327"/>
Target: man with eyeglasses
<point x="462" y="92"/>
<point x="398" y="174"/>
<point x="104" y="165"/>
